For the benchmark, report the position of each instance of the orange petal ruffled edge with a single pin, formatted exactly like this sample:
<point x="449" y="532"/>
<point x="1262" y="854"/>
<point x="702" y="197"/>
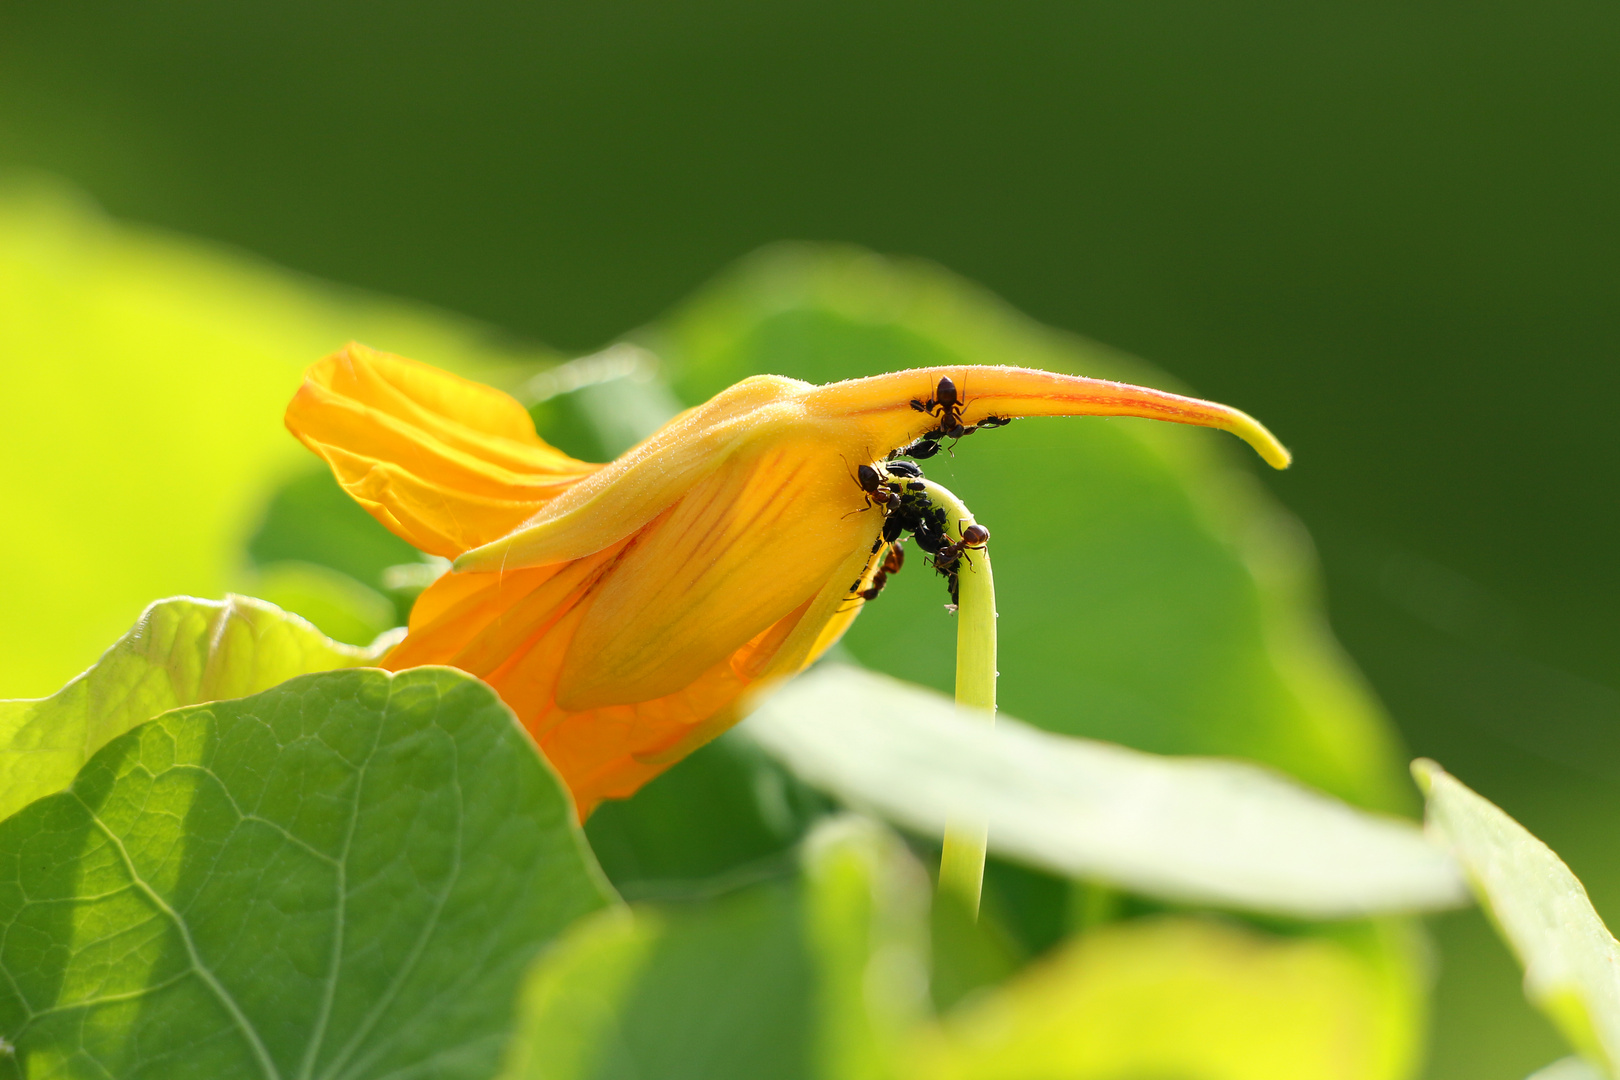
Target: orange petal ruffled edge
<point x="444" y="462"/>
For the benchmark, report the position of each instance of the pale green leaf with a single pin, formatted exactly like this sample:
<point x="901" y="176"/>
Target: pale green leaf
<point x="568" y="1020"/>
<point x="340" y="607"/>
<point x="181" y="652"/>
<point x="1571" y="961"/>
<point x="1195" y="830"/>
<point x="1570" y="1068"/>
<point x="343" y="877"/>
<point x="1190" y="999"/>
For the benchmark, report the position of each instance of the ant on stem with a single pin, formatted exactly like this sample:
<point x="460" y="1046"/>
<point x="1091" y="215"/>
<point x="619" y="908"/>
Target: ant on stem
<point x="948" y="560"/>
<point x="898" y="490"/>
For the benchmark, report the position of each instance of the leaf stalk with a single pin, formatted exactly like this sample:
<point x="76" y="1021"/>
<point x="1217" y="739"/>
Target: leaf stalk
<point x="961" y="860"/>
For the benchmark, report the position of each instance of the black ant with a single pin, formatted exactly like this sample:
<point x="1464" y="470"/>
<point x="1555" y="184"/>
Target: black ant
<point x="908" y="509"/>
<point x="872" y="483"/>
<point x="903" y="497"/>
<point x="896" y="498"/>
<point x="924" y="448"/>
<point x="946" y="405"/>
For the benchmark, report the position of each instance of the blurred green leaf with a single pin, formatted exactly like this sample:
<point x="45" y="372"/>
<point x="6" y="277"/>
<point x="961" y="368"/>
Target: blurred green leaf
<point x="310" y="519"/>
<point x="1186" y="998"/>
<point x="598" y="406"/>
<point x="140" y="414"/>
<point x="727" y="814"/>
<point x="827" y="976"/>
<point x="339" y="606"/>
<point x="1570" y="959"/>
<point x="345" y="875"/>
<point x="569" y="1015"/>
<point x="867" y="901"/>
<point x="819" y="975"/>
<point x="181" y="652"/>
<point x="716" y="990"/>
<point x="1204" y="831"/>
<point x="1151" y="594"/>
<point x="1036" y="907"/>
<point x="969" y="950"/>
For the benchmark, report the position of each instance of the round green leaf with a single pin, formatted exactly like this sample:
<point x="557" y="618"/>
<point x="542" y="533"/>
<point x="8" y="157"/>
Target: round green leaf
<point x="342" y="877"/>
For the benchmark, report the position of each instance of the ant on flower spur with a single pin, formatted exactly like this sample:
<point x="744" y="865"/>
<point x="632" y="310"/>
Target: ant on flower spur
<point x="946" y="406"/>
<point x="889" y="495"/>
<point x="880" y="489"/>
<point x="897" y="489"/>
<point x="877" y="488"/>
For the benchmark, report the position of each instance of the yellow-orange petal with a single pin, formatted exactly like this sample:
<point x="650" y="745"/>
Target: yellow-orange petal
<point x="1014" y="391"/>
<point x="513" y="630"/>
<point x="740" y="551"/>
<point x="830" y="614"/>
<point x="609" y="753"/>
<point x="647" y="479"/>
<point x="446" y="463"/>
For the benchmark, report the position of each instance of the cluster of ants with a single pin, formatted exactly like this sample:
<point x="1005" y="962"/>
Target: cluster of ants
<point x="896" y="487"/>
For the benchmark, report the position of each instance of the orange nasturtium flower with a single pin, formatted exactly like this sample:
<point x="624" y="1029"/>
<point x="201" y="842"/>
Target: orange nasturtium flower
<point x="627" y="611"/>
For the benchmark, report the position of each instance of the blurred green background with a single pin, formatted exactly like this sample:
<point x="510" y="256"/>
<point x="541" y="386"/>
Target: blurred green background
<point x="1388" y="230"/>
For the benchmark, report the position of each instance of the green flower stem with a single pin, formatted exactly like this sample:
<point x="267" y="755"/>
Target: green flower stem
<point x="961" y="862"/>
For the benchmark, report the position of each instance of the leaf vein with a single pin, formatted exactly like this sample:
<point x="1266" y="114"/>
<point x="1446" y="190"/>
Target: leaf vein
<point x="249" y="1032"/>
<point x="341" y="912"/>
<point x="428" y="930"/>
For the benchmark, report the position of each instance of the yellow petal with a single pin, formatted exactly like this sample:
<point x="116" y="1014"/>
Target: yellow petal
<point x="610" y="752"/>
<point x="737" y="553"/>
<point x="445" y="463"/>
<point x="485" y="631"/>
<point x="648" y="478"/>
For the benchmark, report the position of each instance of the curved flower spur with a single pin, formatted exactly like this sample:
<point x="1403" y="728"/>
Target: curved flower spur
<point x="629" y="612"/>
